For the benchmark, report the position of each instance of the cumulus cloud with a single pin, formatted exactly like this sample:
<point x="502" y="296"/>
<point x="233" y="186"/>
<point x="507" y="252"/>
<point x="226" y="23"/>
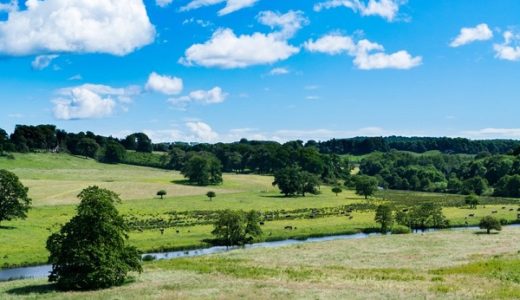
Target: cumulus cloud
<point x="84" y="26"/>
<point x="288" y="23"/>
<point x="164" y="84"/>
<point x="331" y="44"/>
<point x="90" y="101"/>
<point x="279" y="71"/>
<point x="163" y="3"/>
<point x="227" y="50"/>
<point x="213" y="96"/>
<point x="41" y="62"/>
<point x="202" y="131"/>
<point x="9" y="7"/>
<point x="480" y="32"/>
<point x="367" y="55"/>
<point x="231" y="5"/>
<point x="387" y="9"/>
<point x="509" y="49"/>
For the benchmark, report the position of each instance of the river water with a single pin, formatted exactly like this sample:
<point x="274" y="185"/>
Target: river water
<point x="44" y="270"/>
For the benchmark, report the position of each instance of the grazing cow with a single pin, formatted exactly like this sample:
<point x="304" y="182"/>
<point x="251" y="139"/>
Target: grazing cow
<point x="177" y="231"/>
<point x="351" y="217"/>
<point x="288" y="228"/>
<point x="262" y="223"/>
<point x="162" y="231"/>
<point x="471" y="215"/>
<point x="494" y="212"/>
<point x="503" y="207"/>
<point x="405" y="210"/>
<point x="511" y="209"/>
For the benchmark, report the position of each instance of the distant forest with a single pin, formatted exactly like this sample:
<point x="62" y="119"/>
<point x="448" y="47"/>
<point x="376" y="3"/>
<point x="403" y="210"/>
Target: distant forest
<point x="458" y="165"/>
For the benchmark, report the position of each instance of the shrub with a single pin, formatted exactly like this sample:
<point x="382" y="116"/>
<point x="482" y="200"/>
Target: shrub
<point x="400" y="229"/>
<point x="490" y="223"/>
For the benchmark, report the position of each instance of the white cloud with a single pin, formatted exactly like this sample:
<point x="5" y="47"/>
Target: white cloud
<point x="509" y="49"/>
<point x="164" y="84"/>
<point x="227" y="50"/>
<point x="9" y="7"/>
<point x="480" y="32"/>
<point x="91" y="101"/>
<point x="163" y="3"/>
<point x="386" y="9"/>
<point x="231" y="5"/>
<point x="76" y="77"/>
<point x="85" y="26"/>
<point x="202" y="131"/>
<point x="288" y="23"/>
<point x="331" y="44"/>
<point x="367" y="55"/>
<point x="213" y="96"/>
<point x="42" y="61"/>
<point x="493" y="133"/>
<point x="279" y="71"/>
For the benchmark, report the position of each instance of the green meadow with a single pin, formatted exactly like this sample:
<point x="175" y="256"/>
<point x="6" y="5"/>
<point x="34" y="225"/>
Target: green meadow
<point x="54" y="181"/>
<point x="439" y="265"/>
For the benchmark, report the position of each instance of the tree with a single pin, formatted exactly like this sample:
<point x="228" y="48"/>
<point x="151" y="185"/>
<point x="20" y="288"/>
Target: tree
<point x="336" y="190"/>
<point x="161" y="193"/>
<point x="490" y="223"/>
<point x="234" y="228"/>
<point x="211" y="195"/>
<point x="90" y="251"/>
<point x="476" y="185"/>
<point x="87" y="147"/>
<point x="471" y="201"/>
<point x="384" y="216"/>
<point x="14" y="202"/>
<point x="294" y="181"/>
<point x="365" y="185"/>
<point x="508" y="186"/>
<point x="114" y="153"/>
<point x="427" y="215"/>
<point x="203" y="169"/>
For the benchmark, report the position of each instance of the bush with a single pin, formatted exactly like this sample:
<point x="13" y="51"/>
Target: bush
<point x="490" y="223"/>
<point x="148" y="257"/>
<point x="400" y="229"/>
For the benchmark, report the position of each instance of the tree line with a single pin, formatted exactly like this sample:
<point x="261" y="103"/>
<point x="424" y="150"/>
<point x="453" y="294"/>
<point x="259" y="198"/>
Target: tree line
<point x="483" y="174"/>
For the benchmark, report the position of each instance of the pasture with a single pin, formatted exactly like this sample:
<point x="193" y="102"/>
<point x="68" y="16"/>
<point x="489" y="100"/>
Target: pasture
<point x="185" y="213"/>
<point x="446" y="265"/>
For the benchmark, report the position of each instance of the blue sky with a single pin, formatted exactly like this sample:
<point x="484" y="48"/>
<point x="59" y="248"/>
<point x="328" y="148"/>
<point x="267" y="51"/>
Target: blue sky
<point x="219" y="70"/>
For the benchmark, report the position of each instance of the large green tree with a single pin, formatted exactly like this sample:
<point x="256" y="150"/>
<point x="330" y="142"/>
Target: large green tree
<point x="14" y="202"/>
<point x="384" y="216"/>
<point x="234" y="228"/>
<point x="87" y="147"/>
<point x="114" y="153"/>
<point x="365" y="185"/>
<point x="490" y="223"/>
<point x="203" y="169"/>
<point x="294" y="181"/>
<point x="90" y="251"/>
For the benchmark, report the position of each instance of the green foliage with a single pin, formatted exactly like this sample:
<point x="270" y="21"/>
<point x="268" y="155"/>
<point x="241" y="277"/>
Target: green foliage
<point x="476" y="185"/>
<point x="233" y="228"/>
<point x="161" y="193"/>
<point x="508" y="186"/>
<point x="400" y="229"/>
<point x="384" y="216"/>
<point x="472" y="201"/>
<point x="87" y="147"/>
<point x="14" y="202"/>
<point x="423" y="216"/>
<point x="139" y="142"/>
<point x="490" y="223"/>
<point x="203" y="169"/>
<point x="90" y="251"/>
<point x="365" y="185"/>
<point x="294" y="181"/>
<point x="336" y="190"/>
<point x="211" y="195"/>
<point x="114" y="153"/>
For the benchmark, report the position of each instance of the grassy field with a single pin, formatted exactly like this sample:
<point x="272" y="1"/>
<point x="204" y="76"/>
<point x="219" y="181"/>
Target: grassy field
<point x="439" y="265"/>
<point x="55" y="180"/>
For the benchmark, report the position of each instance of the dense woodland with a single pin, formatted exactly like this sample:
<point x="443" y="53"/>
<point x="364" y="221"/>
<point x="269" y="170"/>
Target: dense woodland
<point x="490" y="167"/>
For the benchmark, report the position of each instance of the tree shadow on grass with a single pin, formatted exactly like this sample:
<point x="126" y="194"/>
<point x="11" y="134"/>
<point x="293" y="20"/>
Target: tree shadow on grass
<point x="33" y="289"/>
<point x="485" y="233"/>
<point x="7" y="227"/>
<point x="182" y="182"/>
<point x="281" y="196"/>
